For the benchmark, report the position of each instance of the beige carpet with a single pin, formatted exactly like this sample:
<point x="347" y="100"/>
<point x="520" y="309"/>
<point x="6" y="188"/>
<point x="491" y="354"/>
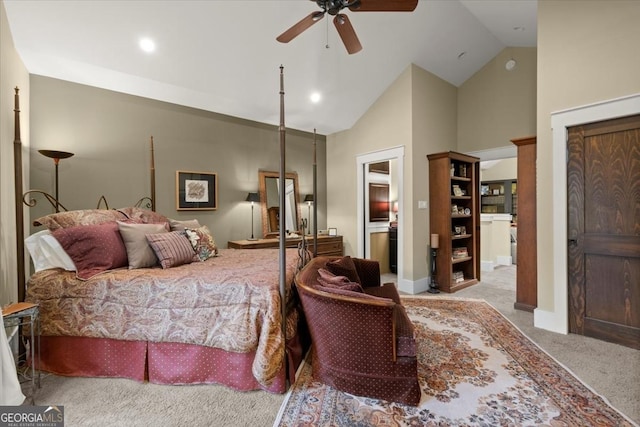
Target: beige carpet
<point x="612" y="370"/>
<point x="475" y="369"/>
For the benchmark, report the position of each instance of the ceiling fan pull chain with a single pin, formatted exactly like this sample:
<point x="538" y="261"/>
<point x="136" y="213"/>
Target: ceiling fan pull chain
<point x="327" y="35"/>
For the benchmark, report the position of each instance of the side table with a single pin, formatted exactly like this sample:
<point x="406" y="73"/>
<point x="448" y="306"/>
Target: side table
<point x="23" y="314"/>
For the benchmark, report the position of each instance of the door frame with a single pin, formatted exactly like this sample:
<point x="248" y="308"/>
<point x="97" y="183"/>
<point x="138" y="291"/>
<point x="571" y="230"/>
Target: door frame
<point x="396" y="153"/>
<point x="558" y="319"/>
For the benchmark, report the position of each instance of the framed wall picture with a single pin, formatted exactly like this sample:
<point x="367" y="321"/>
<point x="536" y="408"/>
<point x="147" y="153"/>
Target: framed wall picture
<point x="379" y="202"/>
<point x="196" y="191"/>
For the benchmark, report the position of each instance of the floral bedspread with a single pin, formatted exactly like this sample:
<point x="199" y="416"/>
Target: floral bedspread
<point x="231" y="302"/>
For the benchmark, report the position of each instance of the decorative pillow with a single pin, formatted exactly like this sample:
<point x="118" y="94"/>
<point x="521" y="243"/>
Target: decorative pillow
<point x="172" y="248"/>
<point x="344" y="267"/>
<point x="181" y="225"/>
<point x="143" y="216"/>
<point x="202" y="242"/>
<point x="330" y="280"/>
<point x="46" y="252"/>
<point x="93" y="248"/>
<point x="80" y="217"/>
<point x="139" y="252"/>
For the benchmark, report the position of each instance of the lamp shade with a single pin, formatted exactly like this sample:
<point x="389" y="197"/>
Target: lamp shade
<point x="253" y="197"/>
<point x="308" y="198"/>
<point x="54" y="154"/>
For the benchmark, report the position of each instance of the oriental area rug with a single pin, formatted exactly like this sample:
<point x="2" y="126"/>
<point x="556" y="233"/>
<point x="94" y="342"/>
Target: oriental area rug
<point x="475" y="368"/>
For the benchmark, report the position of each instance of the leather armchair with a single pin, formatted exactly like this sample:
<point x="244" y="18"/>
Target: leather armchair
<point x="362" y="342"/>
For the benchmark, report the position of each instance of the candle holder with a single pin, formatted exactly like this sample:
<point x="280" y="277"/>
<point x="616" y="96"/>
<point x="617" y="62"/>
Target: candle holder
<point x="435" y="244"/>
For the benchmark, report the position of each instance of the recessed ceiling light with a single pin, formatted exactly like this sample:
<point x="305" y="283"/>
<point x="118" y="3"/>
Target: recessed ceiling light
<point x="147" y="45"/>
<point x="315" y="97"/>
<point x="510" y="64"/>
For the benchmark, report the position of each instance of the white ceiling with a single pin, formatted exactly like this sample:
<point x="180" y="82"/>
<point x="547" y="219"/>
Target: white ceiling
<point x="222" y="56"/>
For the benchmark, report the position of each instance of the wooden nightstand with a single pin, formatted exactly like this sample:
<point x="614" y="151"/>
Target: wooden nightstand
<point x="327" y="245"/>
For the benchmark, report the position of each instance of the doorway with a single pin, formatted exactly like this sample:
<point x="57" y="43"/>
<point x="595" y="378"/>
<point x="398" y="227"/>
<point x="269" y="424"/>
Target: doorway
<point x="603" y="186"/>
<point x="555" y="315"/>
<point x="366" y="228"/>
<point x="498" y="225"/>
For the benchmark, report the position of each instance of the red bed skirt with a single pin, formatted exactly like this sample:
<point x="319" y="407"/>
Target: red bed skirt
<point x="159" y="363"/>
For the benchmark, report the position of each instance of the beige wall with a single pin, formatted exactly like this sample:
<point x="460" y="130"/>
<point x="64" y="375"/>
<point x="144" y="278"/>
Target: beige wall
<point x="434" y="130"/>
<point x="12" y="74"/>
<point x="418" y="111"/>
<point x="587" y="52"/>
<point x="496" y="105"/>
<point x="386" y="124"/>
<point x="500" y="170"/>
<point x="109" y="133"/>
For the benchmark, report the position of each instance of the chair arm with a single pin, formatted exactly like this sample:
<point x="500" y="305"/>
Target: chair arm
<point x="388" y="290"/>
<point x="406" y="343"/>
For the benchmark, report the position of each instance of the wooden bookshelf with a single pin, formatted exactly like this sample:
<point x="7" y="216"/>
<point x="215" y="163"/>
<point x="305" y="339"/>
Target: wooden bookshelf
<point x="455" y="216"/>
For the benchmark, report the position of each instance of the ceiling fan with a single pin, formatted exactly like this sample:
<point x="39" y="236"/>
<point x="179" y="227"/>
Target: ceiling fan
<point x="341" y="21"/>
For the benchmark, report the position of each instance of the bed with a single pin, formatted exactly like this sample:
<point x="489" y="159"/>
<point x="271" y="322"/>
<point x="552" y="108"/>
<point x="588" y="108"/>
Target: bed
<point x="229" y="317"/>
<point x="214" y="318"/>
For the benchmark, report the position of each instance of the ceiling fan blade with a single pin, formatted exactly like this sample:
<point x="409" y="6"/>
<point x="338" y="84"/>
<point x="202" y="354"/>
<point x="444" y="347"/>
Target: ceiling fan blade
<point x="384" y="6"/>
<point x="347" y="33"/>
<point x="299" y="27"/>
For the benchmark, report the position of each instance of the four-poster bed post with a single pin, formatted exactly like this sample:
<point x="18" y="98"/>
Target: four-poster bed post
<point x="283" y="209"/>
<point x="315" y="198"/>
<point x="17" y="166"/>
<point x="153" y="178"/>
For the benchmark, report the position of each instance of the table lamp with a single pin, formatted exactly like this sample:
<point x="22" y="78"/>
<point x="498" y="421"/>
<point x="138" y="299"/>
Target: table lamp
<point x="252" y="197"/>
<point x="308" y="199"/>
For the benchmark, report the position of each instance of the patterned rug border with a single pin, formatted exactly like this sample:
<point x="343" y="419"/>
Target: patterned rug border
<point x="562" y="365"/>
<point x="479" y="301"/>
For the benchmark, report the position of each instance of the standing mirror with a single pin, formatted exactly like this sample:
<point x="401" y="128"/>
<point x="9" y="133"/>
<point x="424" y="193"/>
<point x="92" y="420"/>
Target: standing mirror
<point x="270" y="201"/>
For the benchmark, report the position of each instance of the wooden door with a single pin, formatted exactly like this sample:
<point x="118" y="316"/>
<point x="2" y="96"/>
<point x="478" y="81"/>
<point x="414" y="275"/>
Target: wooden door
<point x="604" y="230"/>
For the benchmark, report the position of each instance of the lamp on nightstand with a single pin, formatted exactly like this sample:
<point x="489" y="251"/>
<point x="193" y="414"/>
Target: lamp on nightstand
<point x="252" y="197"/>
<point x="308" y="199"/>
<point x="435" y="244"/>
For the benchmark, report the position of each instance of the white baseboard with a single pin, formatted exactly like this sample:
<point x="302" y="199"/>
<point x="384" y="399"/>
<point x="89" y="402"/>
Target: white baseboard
<point x="504" y="260"/>
<point x="486" y="265"/>
<point x="414" y="286"/>
<point x="550" y="321"/>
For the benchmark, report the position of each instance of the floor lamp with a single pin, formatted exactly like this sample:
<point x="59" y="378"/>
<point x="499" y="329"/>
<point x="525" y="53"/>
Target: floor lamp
<point x="56" y="156"/>
<point x="308" y="199"/>
<point x="252" y="197"/>
<point x="435" y="244"/>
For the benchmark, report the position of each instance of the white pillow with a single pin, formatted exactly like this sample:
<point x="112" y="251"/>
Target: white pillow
<point x="46" y="252"/>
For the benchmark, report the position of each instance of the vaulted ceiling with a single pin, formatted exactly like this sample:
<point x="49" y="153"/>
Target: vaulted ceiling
<point x="223" y="56"/>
